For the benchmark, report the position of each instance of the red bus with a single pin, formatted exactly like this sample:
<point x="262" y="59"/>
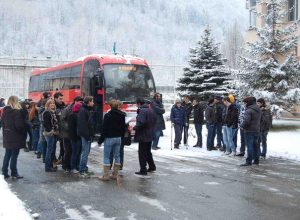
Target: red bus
<point x="102" y="76"/>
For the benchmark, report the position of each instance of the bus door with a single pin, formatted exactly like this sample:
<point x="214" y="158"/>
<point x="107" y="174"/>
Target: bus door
<point x="93" y="86"/>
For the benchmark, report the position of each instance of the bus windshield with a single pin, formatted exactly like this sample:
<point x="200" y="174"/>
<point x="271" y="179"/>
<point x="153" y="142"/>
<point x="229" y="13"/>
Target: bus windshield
<point x="127" y="82"/>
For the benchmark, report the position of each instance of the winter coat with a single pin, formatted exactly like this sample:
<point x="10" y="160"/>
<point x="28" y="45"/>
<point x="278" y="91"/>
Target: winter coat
<point x="198" y="114"/>
<point x="178" y="115"/>
<point x="114" y="124"/>
<point x="210" y="114"/>
<point x="232" y="116"/>
<point x="14" y="133"/>
<point x="145" y="123"/>
<point x="252" y="118"/>
<point x="220" y="109"/>
<point x="188" y="107"/>
<point x="85" y="123"/>
<point x="50" y="123"/>
<point x="64" y="123"/>
<point x="266" y="119"/>
<point x="35" y="122"/>
<point x="158" y="109"/>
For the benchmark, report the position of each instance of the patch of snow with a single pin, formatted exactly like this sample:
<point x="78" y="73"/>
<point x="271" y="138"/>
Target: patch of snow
<point x="211" y="183"/>
<point x="11" y="207"/>
<point x="181" y="187"/>
<point x="152" y="202"/>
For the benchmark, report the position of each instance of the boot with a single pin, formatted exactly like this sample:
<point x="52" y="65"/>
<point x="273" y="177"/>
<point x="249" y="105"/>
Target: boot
<point x="115" y="172"/>
<point x="105" y="176"/>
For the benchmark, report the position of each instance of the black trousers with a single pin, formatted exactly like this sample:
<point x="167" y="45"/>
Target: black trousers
<point x="67" y="154"/>
<point x="145" y="156"/>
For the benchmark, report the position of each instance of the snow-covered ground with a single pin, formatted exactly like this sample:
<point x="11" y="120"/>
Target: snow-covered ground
<point x="10" y="206"/>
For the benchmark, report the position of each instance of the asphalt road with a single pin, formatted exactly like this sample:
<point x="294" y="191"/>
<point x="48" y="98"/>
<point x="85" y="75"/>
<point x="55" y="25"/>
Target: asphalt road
<point x="185" y="188"/>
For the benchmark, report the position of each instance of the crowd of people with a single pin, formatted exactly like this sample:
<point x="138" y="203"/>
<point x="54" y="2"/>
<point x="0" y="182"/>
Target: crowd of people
<point x="50" y="123"/>
<point x="225" y="118"/>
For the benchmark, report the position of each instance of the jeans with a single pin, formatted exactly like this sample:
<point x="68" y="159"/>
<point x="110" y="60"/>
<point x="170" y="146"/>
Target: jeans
<point x="178" y="133"/>
<point x="75" y="156"/>
<point x="86" y="145"/>
<point x="51" y="141"/>
<point x="218" y="132"/>
<point x="67" y="154"/>
<point x="35" y="138"/>
<point x="145" y="156"/>
<point x="11" y="155"/>
<point x="228" y="134"/>
<point x="111" y="156"/>
<point x="112" y="144"/>
<point x="210" y="135"/>
<point x="198" y="128"/>
<point x="252" y="147"/>
<point x="263" y="140"/>
<point x="157" y="135"/>
<point x="185" y="134"/>
<point x="243" y="143"/>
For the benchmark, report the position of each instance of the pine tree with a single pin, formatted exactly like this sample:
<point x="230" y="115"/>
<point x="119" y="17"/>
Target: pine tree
<point x="271" y="69"/>
<point x="206" y="74"/>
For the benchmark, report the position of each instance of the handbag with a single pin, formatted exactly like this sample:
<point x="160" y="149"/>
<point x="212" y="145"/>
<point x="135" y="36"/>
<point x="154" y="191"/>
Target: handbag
<point x="127" y="138"/>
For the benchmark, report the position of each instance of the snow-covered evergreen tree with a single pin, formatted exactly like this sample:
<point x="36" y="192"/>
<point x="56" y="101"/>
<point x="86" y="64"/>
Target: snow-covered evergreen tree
<point x="271" y="69"/>
<point x="206" y="74"/>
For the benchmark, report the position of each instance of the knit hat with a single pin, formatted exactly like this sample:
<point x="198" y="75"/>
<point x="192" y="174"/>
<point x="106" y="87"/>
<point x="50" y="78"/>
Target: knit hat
<point x="76" y="107"/>
<point x="231" y="97"/>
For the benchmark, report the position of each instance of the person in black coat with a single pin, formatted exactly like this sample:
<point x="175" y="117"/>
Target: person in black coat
<point x="158" y="109"/>
<point x="86" y="132"/>
<point x="188" y="107"/>
<point x="113" y="131"/>
<point x="144" y="134"/>
<point x="14" y="136"/>
<point x="198" y="121"/>
<point x="178" y="120"/>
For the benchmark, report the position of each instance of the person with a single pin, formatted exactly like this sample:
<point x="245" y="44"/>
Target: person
<point x="14" y="136"/>
<point x="59" y="105"/>
<point x="64" y="133"/>
<point x="219" y="112"/>
<point x="188" y="107"/>
<point x="265" y="125"/>
<point x="144" y="135"/>
<point x="46" y="96"/>
<point x="42" y="144"/>
<point x="230" y="126"/>
<point x="234" y="101"/>
<point x="86" y="132"/>
<point x="25" y="114"/>
<point x="178" y="120"/>
<point x="2" y="102"/>
<point x="210" y="117"/>
<point x="251" y="126"/>
<point x="198" y="121"/>
<point x="113" y="131"/>
<point x="35" y="126"/>
<point x="158" y="109"/>
<point x="51" y="129"/>
<point x="128" y="133"/>
<point x="242" y="132"/>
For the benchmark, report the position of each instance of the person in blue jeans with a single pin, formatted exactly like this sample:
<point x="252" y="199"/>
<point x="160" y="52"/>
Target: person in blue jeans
<point x="35" y="126"/>
<point x="230" y="126"/>
<point x="251" y="126"/>
<point x="178" y="120"/>
<point x="113" y="131"/>
<point x="50" y="124"/>
<point x="14" y="136"/>
<point x="86" y="131"/>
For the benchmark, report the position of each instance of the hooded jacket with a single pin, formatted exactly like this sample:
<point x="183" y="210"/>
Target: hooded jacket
<point x="252" y="117"/>
<point x="266" y="119"/>
<point x="14" y="133"/>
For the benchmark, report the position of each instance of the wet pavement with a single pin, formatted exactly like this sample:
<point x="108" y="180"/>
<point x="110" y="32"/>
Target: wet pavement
<point x="182" y="188"/>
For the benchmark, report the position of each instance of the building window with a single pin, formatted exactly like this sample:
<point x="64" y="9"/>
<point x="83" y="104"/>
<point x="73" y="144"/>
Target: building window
<point x="292" y="10"/>
<point x="252" y="18"/>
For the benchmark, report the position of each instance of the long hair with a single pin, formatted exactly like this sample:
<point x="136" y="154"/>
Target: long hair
<point x="13" y="102"/>
<point x="47" y="105"/>
<point x="33" y="112"/>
